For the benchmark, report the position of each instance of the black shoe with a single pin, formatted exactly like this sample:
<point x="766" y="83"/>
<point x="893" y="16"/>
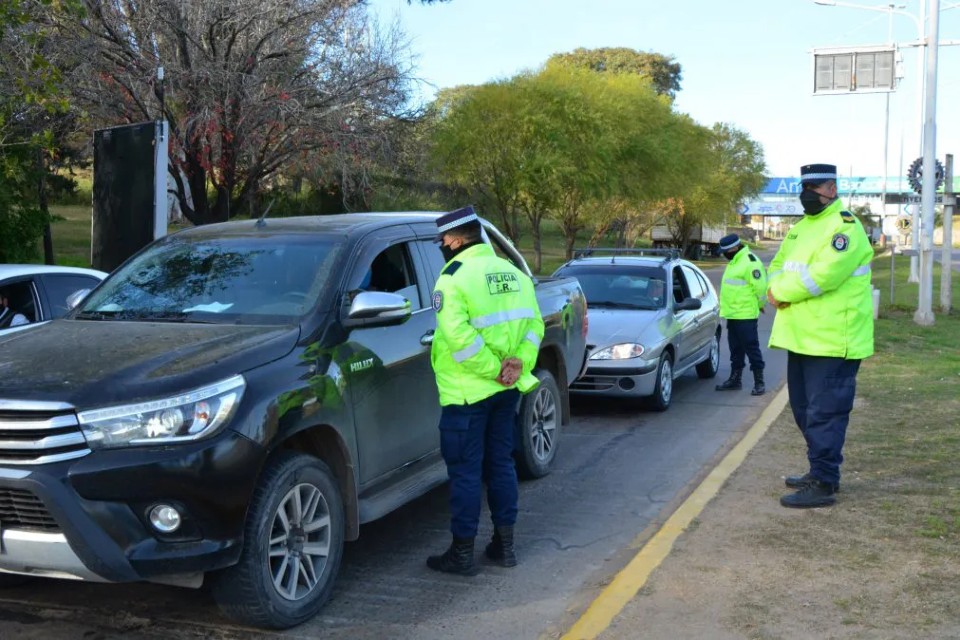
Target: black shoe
<point x="500" y="547"/>
<point x="813" y="494"/>
<point x="457" y="559"/>
<point x="798" y="482"/>
<point x="758" y="387"/>
<point x="733" y="383"/>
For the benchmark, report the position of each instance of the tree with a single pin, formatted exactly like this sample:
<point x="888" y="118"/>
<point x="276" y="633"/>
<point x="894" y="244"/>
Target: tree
<point x="250" y="85"/>
<point x="662" y="71"/>
<point x="736" y="173"/>
<point x="35" y="120"/>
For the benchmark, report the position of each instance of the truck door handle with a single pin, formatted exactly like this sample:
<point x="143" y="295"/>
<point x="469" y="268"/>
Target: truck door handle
<point x="427" y="338"/>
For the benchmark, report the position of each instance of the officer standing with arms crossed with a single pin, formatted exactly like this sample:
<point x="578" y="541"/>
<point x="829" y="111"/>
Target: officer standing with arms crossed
<point x="488" y="335"/>
<point x="820" y="284"/>
<point x="743" y="292"/>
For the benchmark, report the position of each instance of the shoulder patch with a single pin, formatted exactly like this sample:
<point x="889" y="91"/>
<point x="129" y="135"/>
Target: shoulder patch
<point x="753" y="258"/>
<point x="451" y="268"/>
<point x="840" y="242"/>
<point x="437" y="300"/>
<point x="756" y="274"/>
<point x="848" y="217"/>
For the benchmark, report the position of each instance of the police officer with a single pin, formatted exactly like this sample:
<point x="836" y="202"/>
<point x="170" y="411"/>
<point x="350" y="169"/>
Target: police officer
<point x="742" y="296"/>
<point x="488" y="335"/>
<point x="820" y="284"/>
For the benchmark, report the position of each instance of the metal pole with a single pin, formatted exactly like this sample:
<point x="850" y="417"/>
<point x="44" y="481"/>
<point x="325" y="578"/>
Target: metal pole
<point x="921" y="68"/>
<point x="946" y="258"/>
<point x="924" y="313"/>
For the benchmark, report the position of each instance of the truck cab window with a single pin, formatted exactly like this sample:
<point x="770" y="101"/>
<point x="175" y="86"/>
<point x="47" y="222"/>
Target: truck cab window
<point x="392" y="271"/>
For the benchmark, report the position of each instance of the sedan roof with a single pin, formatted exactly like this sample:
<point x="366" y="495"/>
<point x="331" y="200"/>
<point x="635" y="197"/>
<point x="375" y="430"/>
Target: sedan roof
<point x="18" y="270"/>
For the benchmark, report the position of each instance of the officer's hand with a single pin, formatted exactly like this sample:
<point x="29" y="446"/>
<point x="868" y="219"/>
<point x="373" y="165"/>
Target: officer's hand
<point x="510" y="370"/>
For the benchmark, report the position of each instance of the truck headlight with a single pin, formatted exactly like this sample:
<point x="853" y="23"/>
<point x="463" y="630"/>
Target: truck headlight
<point x="189" y="416"/>
<point x="619" y="352"/>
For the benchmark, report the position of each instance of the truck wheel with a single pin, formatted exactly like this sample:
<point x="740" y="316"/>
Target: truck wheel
<point x="663" y="391"/>
<point x="709" y="367"/>
<point x="539" y="427"/>
<point x="292" y="547"/>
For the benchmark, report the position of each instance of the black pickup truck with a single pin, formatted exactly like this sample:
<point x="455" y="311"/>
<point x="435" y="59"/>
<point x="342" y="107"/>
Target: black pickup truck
<point x="236" y="400"/>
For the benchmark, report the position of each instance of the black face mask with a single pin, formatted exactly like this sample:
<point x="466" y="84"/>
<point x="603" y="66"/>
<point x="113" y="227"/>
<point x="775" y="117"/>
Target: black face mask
<point x="811" y="202"/>
<point x="729" y="255"/>
<point x="449" y="253"/>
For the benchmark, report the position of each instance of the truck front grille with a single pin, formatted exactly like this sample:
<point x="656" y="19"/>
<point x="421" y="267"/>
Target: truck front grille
<point x="39" y="435"/>
<point x="20" y="509"/>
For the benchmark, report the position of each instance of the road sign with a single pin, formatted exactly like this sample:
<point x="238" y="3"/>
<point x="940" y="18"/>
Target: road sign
<point x="903" y="224"/>
<point x="909" y="198"/>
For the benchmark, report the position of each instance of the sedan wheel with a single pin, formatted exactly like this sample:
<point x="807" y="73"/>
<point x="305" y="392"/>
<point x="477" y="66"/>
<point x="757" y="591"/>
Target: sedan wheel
<point x="709" y="367"/>
<point x="663" y="391"/>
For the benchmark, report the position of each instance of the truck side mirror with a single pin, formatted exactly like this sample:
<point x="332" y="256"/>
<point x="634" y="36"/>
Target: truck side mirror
<point x="76" y="298"/>
<point x="377" y="309"/>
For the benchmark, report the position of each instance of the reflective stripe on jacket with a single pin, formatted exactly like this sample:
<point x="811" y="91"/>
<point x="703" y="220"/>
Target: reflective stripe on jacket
<point x="486" y="312"/>
<point x="743" y="289"/>
<point x="823" y="270"/>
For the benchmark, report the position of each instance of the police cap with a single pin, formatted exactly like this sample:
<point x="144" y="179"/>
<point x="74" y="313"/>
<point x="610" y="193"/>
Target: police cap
<point x="817" y="173"/>
<point x="730" y="241"/>
<point x="460" y="217"/>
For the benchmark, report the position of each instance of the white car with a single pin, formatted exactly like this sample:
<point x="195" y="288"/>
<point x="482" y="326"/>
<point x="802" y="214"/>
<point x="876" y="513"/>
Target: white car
<point x="38" y="293"/>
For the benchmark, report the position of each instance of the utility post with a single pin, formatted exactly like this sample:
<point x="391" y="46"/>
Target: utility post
<point x="946" y="266"/>
<point x="924" y="313"/>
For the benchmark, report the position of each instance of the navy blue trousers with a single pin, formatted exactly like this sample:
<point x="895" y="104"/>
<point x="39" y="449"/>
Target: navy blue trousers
<point x="743" y="341"/>
<point x="821" y="397"/>
<point x="476" y="441"/>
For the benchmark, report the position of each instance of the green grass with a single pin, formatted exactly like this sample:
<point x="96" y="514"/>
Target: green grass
<point x="71" y="234"/>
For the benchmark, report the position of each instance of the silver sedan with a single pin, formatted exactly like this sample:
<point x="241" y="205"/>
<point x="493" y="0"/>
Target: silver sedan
<point x="652" y="317"/>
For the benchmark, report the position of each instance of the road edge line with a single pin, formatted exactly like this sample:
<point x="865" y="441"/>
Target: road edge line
<point x="628" y="582"/>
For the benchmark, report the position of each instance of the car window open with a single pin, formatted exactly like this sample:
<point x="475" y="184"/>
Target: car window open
<point x="391" y="271"/>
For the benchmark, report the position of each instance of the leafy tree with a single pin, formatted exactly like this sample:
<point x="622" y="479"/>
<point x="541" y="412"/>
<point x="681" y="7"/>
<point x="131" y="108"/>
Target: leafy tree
<point x="250" y="87"/>
<point x="35" y="119"/>
<point x="662" y="71"/>
<point x="736" y="173"/>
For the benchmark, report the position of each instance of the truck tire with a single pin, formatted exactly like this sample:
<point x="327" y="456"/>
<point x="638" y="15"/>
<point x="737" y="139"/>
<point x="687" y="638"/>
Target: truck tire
<point x="539" y="423"/>
<point x="709" y="367"/>
<point x="294" y="537"/>
<point x="663" y="390"/>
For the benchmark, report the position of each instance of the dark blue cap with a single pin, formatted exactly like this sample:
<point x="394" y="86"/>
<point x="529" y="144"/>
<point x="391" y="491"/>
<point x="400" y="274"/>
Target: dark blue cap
<point x="817" y="173"/>
<point x="454" y="219"/>
<point x="730" y="241"/>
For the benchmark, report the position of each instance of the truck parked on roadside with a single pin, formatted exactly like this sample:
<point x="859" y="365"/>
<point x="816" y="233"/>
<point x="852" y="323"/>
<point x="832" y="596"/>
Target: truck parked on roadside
<point x="235" y="400"/>
<point x="701" y="239"/>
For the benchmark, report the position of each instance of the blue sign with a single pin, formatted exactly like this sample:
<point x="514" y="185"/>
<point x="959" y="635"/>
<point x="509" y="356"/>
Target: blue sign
<point x="846" y="186"/>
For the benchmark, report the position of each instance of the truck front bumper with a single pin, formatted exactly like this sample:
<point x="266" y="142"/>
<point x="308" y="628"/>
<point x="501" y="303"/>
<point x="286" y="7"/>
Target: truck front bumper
<point x="88" y="518"/>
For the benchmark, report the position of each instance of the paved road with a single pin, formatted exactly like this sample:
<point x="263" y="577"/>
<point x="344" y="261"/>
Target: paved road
<point x="620" y="468"/>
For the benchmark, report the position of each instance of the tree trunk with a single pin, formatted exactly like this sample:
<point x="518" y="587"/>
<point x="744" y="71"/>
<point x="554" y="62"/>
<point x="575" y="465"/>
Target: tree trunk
<point x="537" y="250"/>
<point x="44" y="208"/>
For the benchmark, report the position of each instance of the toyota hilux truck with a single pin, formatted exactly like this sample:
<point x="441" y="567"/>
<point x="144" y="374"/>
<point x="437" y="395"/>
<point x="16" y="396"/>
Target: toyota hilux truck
<point x="234" y="401"/>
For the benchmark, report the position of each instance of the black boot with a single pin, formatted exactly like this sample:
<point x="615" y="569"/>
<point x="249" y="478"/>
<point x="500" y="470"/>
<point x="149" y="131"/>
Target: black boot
<point x="457" y="559"/>
<point x="812" y="494"/>
<point x="733" y="383"/>
<point x="758" y="388"/>
<point x="500" y="548"/>
<point x="798" y="482"/>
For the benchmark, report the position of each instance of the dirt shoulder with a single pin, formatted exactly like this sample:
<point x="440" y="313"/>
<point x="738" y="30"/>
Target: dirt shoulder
<point x="884" y="562"/>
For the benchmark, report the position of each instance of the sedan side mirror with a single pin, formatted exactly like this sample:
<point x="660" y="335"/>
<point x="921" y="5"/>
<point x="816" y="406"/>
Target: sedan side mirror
<point x="690" y="304"/>
<point x="75" y="298"/>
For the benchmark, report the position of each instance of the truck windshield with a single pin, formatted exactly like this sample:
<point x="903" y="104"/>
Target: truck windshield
<point x="236" y="280"/>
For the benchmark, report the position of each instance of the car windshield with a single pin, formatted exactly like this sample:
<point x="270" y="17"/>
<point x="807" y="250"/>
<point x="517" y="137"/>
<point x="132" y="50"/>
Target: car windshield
<point x="232" y="280"/>
<point x="620" y="286"/>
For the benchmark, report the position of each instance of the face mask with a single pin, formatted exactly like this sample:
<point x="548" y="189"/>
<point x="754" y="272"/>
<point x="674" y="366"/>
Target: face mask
<point x="729" y="256"/>
<point x="811" y="202"/>
<point x="449" y="253"/>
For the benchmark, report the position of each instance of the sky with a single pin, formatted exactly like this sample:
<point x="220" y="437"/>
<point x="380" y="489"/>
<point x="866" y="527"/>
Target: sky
<point x="748" y="63"/>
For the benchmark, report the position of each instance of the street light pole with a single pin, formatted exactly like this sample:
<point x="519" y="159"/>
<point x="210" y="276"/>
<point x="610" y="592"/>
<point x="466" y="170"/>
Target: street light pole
<point x="924" y="313"/>
<point x="921" y="87"/>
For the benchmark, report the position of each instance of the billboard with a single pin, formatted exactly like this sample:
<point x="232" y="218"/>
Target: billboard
<point x="855" y="70"/>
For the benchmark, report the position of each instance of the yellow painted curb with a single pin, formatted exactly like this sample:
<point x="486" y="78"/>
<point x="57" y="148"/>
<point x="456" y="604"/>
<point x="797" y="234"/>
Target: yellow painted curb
<point x="631" y="578"/>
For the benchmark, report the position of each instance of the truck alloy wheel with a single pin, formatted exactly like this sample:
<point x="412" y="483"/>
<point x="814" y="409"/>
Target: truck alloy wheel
<point x="540" y="419"/>
<point x="293" y="544"/>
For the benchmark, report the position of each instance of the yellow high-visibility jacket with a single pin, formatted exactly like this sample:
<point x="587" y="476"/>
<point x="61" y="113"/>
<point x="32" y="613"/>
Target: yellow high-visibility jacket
<point x="486" y="312"/>
<point x="743" y="289"/>
<point x="823" y="270"/>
